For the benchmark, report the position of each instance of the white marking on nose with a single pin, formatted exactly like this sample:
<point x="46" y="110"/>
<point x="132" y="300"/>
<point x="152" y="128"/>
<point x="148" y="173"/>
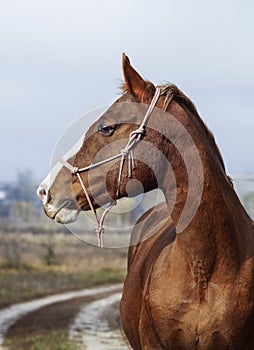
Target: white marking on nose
<point x="43" y="194"/>
<point x="50" y="178"/>
<point x="48" y="181"/>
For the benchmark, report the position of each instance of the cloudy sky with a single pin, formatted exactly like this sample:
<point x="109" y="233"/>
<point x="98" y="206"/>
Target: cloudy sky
<point x="60" y="59"/>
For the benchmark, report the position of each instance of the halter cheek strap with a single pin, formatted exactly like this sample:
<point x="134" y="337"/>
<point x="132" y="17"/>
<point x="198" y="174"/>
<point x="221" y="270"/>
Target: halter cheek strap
<point x="126" y="152"/>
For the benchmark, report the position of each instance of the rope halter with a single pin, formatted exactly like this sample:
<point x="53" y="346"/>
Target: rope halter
<point x="125" y="153"/>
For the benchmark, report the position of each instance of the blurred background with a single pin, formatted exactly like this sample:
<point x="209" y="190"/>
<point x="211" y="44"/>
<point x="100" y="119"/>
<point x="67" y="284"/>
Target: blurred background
<point x="61" y="59"/>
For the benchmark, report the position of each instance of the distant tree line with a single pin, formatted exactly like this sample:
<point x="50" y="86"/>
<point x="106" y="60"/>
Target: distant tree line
<point x="20" y="206"/>
<point x="19" y="203"/>
<point x="23" y="189"/>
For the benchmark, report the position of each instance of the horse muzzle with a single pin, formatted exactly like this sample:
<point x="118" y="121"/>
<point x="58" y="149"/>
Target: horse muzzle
<point x="64" y="212"/>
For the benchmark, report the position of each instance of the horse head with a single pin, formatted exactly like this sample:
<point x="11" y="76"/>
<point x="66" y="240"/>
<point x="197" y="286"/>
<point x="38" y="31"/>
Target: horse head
<point x="62" y="192"/>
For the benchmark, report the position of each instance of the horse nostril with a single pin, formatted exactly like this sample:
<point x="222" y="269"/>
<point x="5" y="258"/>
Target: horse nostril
<point x="43" y="194"/>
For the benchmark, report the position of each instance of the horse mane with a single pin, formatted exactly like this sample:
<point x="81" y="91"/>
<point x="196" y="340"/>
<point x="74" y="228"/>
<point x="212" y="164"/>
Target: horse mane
<point x="172" y="92"/>
<point x="177" y="95"/>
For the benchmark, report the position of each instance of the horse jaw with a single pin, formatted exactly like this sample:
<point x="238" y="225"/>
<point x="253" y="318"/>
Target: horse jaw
<point x="66" y="216"/>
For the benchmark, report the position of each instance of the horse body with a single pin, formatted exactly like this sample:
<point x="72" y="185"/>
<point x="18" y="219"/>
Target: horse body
<point x="190" y="264"/>
<point x="198" y="291"/>
<point x="181" y="299"/>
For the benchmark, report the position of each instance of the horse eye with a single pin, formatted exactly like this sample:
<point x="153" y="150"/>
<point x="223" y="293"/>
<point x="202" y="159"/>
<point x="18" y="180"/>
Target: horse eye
<point x="106" y="130"/>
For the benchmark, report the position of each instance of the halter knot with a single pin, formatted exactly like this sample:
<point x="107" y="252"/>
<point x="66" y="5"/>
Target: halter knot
<point x="139" y="131"/>
<point x="124" y="152"/>
<point x="75" y="170"/>
<point x="99" y="230"/>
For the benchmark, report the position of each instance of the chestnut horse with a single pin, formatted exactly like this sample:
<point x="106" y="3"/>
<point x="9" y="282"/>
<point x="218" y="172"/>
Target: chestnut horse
<point x="190" y="267"/>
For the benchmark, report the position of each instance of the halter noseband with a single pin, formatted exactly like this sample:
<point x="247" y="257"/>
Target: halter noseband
<point x="126" y="152"/>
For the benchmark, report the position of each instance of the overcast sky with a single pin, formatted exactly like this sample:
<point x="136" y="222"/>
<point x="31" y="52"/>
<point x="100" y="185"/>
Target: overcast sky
<point x="60" y="59"/>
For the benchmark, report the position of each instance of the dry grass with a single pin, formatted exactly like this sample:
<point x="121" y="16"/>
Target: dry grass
<point x="35" y="265"/>
<point x="57" y="340"/>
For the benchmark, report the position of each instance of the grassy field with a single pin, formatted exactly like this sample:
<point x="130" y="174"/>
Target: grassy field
<point x="57" y="340"/>
<point x="37" y="265"/>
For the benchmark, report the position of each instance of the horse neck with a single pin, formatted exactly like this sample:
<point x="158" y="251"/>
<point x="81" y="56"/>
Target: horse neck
<point x="217" y="225"/>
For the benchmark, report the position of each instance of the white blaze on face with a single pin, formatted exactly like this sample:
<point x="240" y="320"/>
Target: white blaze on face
<point x="50" y="178"/>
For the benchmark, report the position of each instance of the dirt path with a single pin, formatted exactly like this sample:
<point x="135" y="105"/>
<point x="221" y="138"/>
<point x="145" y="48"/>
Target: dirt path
<point x="40" y="316"/>
<point x="97" y="325"/>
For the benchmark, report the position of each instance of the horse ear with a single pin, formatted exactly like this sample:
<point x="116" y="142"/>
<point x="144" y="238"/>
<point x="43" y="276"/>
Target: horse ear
<point x="142" y="90"/>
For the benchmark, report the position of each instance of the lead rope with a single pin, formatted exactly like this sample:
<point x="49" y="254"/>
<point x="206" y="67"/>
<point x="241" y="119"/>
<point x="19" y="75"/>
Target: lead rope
<point x="99" y="227"/>
<point x="126" y="152"/>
